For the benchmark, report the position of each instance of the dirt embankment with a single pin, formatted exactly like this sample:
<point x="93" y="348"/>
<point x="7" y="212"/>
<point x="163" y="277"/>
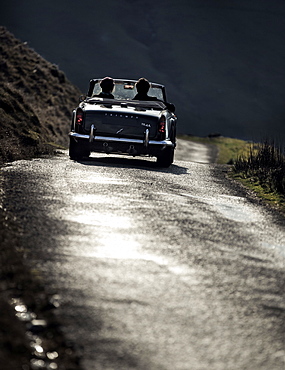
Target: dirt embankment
<point x="36" y="101"/>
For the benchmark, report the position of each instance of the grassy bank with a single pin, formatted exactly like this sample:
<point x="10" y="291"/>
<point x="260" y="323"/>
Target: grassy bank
<point x="263" y="171"/>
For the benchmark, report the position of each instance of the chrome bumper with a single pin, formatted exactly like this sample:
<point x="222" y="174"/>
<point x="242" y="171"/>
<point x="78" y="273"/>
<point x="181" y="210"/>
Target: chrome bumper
<point x="92" y="138"/>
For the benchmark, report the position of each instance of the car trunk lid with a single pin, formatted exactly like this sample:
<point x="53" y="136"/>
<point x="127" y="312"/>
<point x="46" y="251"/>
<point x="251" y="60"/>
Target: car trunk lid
<point x="122" y="122"/>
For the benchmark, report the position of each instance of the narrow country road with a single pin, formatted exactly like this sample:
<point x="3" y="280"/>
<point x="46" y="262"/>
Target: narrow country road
<point x="156" y="269"/>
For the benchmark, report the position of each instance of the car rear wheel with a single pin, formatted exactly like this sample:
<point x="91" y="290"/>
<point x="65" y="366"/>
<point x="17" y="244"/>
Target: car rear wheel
<point x="76" y="152"/>
<point x="166" y="157"/>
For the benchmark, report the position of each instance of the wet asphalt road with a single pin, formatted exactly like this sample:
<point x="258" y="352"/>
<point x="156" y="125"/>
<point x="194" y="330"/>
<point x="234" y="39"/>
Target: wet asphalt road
<point x="156" y="269"/>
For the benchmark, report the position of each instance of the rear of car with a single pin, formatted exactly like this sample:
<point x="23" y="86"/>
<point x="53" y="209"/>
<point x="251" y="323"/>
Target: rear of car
<point x="123" y="125"/>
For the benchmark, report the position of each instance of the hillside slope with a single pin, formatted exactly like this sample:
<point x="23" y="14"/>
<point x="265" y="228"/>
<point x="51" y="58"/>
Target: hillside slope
<point x="221" y="61"/>
<point x="36" y="101"/>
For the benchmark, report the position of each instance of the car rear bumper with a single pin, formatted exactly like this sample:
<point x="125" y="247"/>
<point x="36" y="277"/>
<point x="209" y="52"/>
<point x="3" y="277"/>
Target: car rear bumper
<point x="109" y="144"/>
<point x="120" y="140"/>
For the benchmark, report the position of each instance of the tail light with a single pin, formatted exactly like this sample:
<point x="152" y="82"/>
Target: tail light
<point x="79" y="117"/>
<point x="161" y="125"/>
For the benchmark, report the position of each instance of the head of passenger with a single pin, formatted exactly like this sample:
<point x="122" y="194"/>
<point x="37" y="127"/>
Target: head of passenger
<point x="142" y="86"/>
<point x="107" y="85"/>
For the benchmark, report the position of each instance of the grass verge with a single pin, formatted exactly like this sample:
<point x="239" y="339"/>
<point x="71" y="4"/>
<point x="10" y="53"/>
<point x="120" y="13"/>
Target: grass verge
<point x="263" y="171"/>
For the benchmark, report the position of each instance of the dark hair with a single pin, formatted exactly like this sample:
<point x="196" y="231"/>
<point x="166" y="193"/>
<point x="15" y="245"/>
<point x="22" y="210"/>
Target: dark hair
<point x="142" y="85"/>
<point x="107" y="84"/>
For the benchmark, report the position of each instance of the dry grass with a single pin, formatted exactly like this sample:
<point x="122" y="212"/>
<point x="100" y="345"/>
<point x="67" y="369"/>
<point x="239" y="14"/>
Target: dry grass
<point x="263" y="170"/>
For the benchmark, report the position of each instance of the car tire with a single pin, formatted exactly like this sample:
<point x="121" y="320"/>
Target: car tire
<point x="76" y="152"/>
<point x="166" y="158"/>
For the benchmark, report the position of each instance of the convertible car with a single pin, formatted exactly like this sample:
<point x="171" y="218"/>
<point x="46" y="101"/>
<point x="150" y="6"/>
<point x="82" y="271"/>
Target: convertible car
<point x="122" y="125"/>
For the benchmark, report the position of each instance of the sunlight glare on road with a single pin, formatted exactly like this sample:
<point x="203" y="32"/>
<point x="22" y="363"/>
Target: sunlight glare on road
<point x="118" y="246"/>
<point x="101" y="219"/>
<point x="103" y="180"/>
<point x="110" y="236"/>
<point x="92" y="198"/>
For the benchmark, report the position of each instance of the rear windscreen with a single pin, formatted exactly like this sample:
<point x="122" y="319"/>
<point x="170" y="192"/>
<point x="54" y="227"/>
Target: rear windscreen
<point x="127" y="91"/>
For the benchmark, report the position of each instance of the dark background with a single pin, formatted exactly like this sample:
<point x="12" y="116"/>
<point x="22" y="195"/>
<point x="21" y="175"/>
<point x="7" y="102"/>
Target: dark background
<point x="222" y="61"/>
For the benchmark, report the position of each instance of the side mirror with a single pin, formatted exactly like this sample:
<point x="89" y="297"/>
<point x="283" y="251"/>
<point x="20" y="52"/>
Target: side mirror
<point x="171" y="107"/>
<point x="82" y="98"/>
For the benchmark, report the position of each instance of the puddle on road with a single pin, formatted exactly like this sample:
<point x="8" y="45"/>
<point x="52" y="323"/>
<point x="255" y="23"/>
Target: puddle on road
<point x="36" y="332"/>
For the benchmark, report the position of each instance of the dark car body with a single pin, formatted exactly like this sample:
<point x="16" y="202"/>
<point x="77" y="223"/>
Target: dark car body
<point x="123" y="125"/>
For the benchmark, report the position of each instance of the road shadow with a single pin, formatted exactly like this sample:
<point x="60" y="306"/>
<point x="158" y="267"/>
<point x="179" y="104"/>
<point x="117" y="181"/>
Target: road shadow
<point x="138" y="163"/>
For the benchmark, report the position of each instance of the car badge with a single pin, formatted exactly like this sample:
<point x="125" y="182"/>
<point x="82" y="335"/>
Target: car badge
<point x="119" y="131"/>
<point x="146" y="124"/>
